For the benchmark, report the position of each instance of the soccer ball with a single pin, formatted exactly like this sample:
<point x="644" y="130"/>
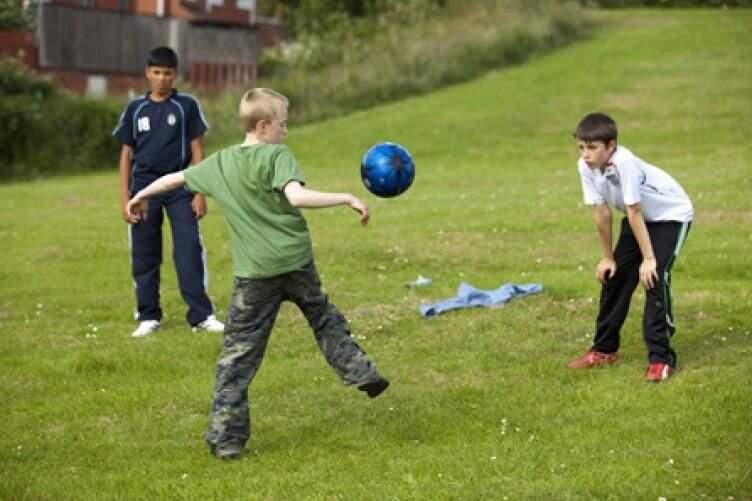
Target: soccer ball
<point x="387" y="169"/>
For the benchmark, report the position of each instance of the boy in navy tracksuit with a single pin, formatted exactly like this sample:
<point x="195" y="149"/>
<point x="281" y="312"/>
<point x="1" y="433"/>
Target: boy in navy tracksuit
<point x="161" y="133"/>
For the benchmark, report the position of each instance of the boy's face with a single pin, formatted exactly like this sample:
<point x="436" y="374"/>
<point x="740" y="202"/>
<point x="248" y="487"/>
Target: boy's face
<point x="274" y="131"/>
<point x="161" y="80"/>
<point x="595" y="153"/>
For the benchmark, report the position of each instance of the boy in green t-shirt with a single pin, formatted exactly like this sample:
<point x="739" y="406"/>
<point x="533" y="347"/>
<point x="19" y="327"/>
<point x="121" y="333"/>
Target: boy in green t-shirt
<point x="259" y="186"/>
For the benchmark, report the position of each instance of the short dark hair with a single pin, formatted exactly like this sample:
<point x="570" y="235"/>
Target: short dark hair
<point x="163" y="56"/>
<point x="596" y="127"/>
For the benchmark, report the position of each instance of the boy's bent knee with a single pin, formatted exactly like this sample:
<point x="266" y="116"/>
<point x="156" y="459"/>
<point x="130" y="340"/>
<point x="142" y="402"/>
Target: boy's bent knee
<point x="330" y="322"/>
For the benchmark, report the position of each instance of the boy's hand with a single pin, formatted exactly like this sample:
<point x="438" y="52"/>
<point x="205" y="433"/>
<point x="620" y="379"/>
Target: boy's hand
<point x="198" y="204"/>
<point x="124" y="213"/>
<point x="605" y="269"/>
<point x="361" y="208"/>
<point x="136" y="210"/>
<point x="648" y="272"/>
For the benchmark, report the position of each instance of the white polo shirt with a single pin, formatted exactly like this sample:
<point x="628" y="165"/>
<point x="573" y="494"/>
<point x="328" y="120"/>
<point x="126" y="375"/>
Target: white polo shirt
<point x="628" y="180"/>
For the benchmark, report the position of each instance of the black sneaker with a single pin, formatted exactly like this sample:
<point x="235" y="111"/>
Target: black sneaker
<point x="375" y="388"/>
<point x="230" y="451"/>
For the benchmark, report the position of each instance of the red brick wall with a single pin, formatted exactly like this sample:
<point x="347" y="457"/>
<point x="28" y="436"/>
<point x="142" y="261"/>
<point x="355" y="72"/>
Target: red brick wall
<point x="72" y="3"/>
<point x="146" y="7"/>
<point x="107" y="5"/>
<point x="227" y="13"/>
<point x="20" y="45"/>
<point x="117" y="84"/>
<point x="141" y="6"/>
<point x="208" y="77"/>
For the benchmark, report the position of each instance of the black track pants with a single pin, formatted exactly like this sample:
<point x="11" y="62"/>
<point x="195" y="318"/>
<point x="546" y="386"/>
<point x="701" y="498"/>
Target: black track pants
<point x="667" y="239"/>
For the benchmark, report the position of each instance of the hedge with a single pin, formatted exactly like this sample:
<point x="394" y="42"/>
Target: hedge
<point x="48" y="131"/>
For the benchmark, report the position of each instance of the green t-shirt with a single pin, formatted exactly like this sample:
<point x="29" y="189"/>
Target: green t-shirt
<point x="269" y="236"/>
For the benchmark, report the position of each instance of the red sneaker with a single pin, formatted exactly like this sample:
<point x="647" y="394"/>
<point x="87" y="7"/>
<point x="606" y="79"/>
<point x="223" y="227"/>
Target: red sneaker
<point x="593" y="359"/>
<point x="658" y="372"/>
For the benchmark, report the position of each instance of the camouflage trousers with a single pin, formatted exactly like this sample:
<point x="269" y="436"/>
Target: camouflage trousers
<point x="253" y="309"/>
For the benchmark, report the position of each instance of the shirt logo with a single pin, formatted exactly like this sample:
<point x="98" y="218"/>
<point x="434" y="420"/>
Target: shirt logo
<point x="612" y="174"/>
<point x="143" y="124"/>
<point x="171" y="119"/>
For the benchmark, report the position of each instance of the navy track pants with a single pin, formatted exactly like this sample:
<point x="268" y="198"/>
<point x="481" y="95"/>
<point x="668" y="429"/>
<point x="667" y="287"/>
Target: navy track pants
<point x="188" y="255"/>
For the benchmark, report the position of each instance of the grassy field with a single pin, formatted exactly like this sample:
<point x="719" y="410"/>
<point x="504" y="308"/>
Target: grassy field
<point x="482" y="405"/>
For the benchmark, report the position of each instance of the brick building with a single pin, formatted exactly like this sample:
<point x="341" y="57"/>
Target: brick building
<point x="99" y="46"/>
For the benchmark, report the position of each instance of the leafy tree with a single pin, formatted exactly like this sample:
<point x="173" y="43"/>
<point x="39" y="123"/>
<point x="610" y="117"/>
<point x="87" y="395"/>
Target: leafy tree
<point x="315" y="16"/>
<point x="12" y="16"/>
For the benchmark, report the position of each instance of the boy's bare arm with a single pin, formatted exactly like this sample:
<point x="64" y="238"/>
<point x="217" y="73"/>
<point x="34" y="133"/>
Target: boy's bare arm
<point x="303" y="198"/>
<point x="124" y="165"/>
<point x="648" y="268"/>
<point x="607" y="265"/>
<point x="198" y="204"/>
<point x="137" y="207"/>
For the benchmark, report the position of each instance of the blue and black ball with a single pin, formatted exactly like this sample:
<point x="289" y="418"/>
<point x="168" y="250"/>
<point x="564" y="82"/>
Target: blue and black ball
<point x="387" y="170"/>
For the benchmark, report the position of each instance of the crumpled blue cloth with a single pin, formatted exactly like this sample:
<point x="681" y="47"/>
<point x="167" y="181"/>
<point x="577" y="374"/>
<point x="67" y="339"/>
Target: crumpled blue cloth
<point x="468" y="297"/>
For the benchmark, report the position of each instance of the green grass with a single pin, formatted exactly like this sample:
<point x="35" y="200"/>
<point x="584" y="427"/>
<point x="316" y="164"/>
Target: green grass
<point x="482" y="405"/>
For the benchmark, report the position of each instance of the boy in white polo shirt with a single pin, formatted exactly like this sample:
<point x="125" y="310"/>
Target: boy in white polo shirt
<point x="658" y="217"/>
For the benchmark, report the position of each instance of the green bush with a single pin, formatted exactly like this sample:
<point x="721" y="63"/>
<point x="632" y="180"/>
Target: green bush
<point x="399" y="59"/>
<point x="12" y="16"/>
<point x="46" y="131"/>
<point x="303" y="17"/>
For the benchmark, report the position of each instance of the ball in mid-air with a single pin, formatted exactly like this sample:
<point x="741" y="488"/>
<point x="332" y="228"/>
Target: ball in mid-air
<point x="387" y="169"/>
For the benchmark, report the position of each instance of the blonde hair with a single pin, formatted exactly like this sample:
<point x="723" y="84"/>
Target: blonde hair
<point x="261" y="104"/>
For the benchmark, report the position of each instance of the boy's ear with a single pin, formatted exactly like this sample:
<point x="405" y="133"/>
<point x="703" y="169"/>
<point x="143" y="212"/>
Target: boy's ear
<point x="611" y="145"/>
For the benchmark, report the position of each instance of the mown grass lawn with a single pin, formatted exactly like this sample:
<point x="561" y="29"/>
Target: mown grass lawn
<point x="482" y="405"/>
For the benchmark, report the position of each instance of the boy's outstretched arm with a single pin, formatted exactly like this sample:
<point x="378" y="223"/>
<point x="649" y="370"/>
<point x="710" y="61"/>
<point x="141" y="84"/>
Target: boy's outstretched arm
<point x="607" y="265"/>
<point x="648" y="268"/>
<point x="303" y="198"/>
<point x="137" y="207"/>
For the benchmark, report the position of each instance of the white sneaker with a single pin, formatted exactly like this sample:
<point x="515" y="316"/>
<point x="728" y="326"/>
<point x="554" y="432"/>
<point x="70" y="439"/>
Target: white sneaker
<point x="145" y="328"/>
<point x="211" y="324"/>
